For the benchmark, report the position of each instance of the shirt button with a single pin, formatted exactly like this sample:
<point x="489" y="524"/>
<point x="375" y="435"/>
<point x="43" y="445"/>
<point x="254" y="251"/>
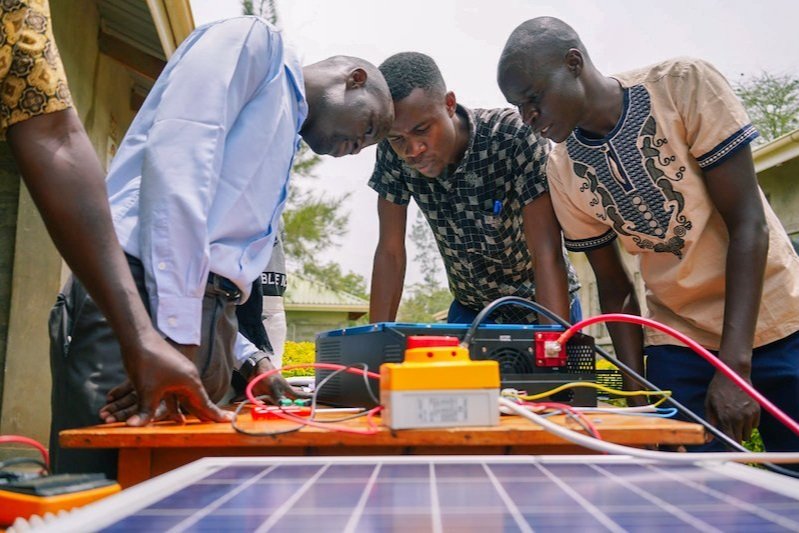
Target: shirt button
<point x="172" y="321"/>
<point x="161" y="266"/>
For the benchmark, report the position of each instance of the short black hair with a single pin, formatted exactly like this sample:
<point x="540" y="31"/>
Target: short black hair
<point x="407" y="71"/>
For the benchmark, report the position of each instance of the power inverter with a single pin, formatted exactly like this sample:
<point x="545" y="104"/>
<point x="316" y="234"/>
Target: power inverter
<point x="512" y="346"/>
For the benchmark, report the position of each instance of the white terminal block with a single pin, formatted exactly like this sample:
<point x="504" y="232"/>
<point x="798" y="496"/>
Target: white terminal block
<point x="441" y="408"/>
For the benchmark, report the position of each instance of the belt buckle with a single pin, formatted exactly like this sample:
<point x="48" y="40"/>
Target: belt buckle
<point x="229" y="289"/>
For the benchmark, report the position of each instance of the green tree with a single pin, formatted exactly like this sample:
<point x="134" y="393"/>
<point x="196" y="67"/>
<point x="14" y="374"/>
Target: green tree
<point x="262" y="8"/>
<point x="426" y="252"/>
<point x="310" y="217"/>
<point x="772" y="102"/>
<point x="427" y="298"/>
<point x="423" y="305"/>
<point x="333" y="277"/>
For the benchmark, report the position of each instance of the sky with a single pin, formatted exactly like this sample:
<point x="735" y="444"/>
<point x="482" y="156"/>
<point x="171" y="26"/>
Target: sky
<point x="465" y="37"/>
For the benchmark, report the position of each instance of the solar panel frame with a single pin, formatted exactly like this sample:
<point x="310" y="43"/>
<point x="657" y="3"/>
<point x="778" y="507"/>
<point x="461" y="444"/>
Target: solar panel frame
<point x="499" y="509"/>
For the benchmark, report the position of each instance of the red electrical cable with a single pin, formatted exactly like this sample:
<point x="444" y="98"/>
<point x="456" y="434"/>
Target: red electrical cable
<point x="695" y="346"/>
<point x="30" y="442"/>
<point x="371" y="426"/>
<point x="323" y="366"/>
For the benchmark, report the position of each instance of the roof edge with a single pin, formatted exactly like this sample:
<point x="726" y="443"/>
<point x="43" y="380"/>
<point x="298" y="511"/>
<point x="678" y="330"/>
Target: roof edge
<point x="776" y="152"/>
<point x="353" y="308"/>
<point x="173" y="21"/>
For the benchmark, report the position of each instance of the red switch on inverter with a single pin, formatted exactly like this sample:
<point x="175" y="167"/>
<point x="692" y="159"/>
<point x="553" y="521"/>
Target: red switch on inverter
<point x="544" y="357"/>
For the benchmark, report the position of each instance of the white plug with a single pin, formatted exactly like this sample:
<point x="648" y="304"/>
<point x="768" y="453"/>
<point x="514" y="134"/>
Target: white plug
<point x="552" y="348"/>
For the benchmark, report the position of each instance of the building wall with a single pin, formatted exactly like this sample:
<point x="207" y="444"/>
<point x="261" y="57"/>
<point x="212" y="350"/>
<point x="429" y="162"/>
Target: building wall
<point x="9" y="201"/>
<point x="101" y="87"/>
<point x="780" y="186"/>
<point x="101" y="90"/>
<point x="304" y="325"/>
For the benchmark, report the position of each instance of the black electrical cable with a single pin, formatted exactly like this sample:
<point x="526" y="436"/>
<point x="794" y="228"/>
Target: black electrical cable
<point x="499" y="302"/>
<point x="14" y="461"/>
<point x="327" y="378"/>
<point x="641" y="380"/>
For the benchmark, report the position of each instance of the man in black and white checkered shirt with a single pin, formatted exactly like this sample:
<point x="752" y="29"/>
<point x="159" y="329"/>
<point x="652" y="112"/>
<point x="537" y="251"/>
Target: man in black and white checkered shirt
<point x="479" y="178"/>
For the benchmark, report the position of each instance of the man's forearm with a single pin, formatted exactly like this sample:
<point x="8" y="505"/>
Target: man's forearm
<point x="67" y="184"/>
<point x="628" y="343"/>
<point x="745" y="267"/>
<point x="732" y="187"/>
<point x="388" y="277"/>
<point x="551" y="288"/>
<point x="628" y="339"/>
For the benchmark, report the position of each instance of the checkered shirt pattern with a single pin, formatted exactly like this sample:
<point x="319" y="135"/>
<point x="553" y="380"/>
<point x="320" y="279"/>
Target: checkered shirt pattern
<point x="485" y="254"/>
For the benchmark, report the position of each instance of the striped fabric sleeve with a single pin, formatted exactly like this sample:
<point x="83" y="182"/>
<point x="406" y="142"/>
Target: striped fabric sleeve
<point x="716" y="122"/>
<point x="586" y="245"/>
<point x="728" y="147"/>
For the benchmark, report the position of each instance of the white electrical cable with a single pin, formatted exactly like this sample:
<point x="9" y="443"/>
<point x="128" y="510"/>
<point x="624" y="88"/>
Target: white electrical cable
<point x="620" y="410"/>
<point x="618" y="449"/>
<point x="650" y="408"/>
<point x="643" y="409"/>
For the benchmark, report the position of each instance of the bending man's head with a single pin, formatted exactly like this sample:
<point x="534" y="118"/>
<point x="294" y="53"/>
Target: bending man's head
<point x="424" y="133"/>
<point x="349" y="106"/>
<point x="540" y="73"/>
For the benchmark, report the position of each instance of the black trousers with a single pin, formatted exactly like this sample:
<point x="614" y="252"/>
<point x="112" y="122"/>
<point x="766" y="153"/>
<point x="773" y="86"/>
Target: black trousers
<point x="86" y="362"/>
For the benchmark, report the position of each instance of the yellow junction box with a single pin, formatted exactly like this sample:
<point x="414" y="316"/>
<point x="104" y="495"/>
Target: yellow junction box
<point x="439" y="386"/>
<point x="441" y="371"/>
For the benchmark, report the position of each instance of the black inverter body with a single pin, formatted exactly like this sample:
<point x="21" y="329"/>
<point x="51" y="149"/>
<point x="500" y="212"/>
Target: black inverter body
<point x="512" y="346"/>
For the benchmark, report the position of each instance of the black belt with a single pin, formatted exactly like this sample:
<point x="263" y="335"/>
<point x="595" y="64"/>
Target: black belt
<point x="229" y="289"/>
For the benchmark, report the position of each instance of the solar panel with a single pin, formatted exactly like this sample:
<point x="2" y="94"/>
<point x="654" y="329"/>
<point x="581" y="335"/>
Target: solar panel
<point x="465" y="493"/>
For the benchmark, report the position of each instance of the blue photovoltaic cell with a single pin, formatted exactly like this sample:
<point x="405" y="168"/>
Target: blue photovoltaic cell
<point x="405" y="472"/>
<point x="193" y="497"/>
<point x="475" y="495"/>
<point x="404" y="494"/>
<point x="237" y="473"/>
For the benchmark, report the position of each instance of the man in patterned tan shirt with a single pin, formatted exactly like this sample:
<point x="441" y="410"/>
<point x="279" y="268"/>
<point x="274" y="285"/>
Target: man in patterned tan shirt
<point x="658" y="159"/>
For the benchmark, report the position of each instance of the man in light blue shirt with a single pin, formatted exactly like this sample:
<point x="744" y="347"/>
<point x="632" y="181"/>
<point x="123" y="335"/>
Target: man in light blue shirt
<point x="196" y="192"/>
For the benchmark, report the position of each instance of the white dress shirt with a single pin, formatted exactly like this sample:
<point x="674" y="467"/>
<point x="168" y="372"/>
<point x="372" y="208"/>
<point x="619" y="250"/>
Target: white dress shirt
<point x="201" y="177"/>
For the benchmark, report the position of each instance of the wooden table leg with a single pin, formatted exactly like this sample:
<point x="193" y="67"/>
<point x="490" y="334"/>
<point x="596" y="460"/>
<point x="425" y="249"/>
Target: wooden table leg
<point x="134" y="466"/>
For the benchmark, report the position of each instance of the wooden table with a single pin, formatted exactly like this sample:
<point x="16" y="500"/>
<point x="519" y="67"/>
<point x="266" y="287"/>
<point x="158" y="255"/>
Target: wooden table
<point x="149" y="451"/>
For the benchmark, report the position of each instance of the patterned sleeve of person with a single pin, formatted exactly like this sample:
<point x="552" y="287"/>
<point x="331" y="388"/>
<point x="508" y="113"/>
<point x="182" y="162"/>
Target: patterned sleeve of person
<point x="388" y="176"/>
<point x="33" y="78"/>
<point x="273" y="278"/>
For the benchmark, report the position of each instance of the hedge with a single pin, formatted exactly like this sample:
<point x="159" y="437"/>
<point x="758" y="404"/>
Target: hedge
<point x="298" y="353"/>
